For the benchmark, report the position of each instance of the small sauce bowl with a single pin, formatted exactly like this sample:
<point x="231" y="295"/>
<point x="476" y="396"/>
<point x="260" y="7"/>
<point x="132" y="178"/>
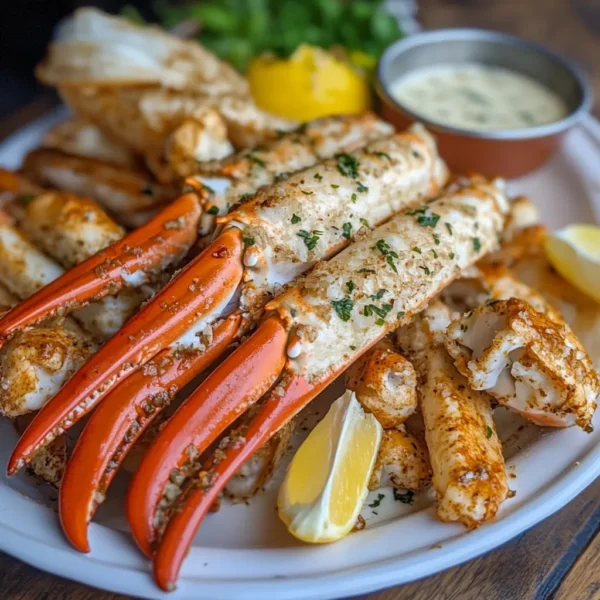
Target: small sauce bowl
<point x="504" y="152"/>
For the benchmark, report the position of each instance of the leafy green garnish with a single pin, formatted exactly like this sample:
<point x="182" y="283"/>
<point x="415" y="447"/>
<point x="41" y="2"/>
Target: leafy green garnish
<point x="213" y="210"/>
<point x="310" y="239"/>
<point x="343" y="308"/>
<point x="249" y="241"/>
<point x="476" y="244"/>
<point x="295" y="219"/>
<point x="238" y="30"/>
<point x="347" y="165"/>
<point x="347" y="230"/>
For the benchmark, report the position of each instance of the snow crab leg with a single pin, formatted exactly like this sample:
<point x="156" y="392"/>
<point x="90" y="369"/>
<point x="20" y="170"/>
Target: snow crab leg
<point x="391" y="173"/>
<point x="129" y="262"/>
<point x="312" y="332"/>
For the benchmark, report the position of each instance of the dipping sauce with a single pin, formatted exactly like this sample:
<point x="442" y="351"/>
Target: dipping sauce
<point x="478" y="96"/>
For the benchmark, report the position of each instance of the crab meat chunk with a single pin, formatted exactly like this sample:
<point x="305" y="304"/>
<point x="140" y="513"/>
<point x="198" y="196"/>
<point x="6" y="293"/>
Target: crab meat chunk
<point x="528" y="362"/>
<point x="385" y="384"/>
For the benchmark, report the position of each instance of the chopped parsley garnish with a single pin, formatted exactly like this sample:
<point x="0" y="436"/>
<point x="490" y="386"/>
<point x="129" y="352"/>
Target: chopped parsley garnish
<point x="389" y="254"/>
<point x="353" y="197"/>
<point x="382" y="312"/>
<point x="343" y="308"/>
<point x="347" y="230"/>
<point x="451" y="255"/>
<point x="426" y="270"/>
<point x="295" y="219"/>
<point x="352" y="348"/>
<point x="306" y="193"/>
<point x="351" y="286"/>
<point x="428" y="220"/>
<point x="407" y="497"/>
<point x="347" y="165"/>
<point x="400" y="314"/>
<point x="248" y="241"/>
<point x="310" y="239"/>
<point x="476" y="244"/>
<point x="379" y="295"/>
<point x="417" y="250"/>
<point x="435" y="254"/>
<point x="377" y="501"/>
<point x="365" y="222"/>
<point x="318" y="176"/>
<point x="436" y="240"/>
<point x="488" y="432"/>
<point x="213" y="210"/>
<point x="256" y="160"/>
<point x="335" y="186"/>
<point x="449" y="228"/>
<point x="245" y="197"/>
<point x="383" y="155"/>
<point x="361" y="188"/>
<point x="366" y="271"/>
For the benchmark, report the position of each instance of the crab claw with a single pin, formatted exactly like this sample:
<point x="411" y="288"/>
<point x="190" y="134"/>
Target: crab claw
<point x="234" y="450"/>
<point x="126" y="263"/>
<point x="237" y="383"/>
<point x="203" y="287"/>
<point x="118" y="423"/>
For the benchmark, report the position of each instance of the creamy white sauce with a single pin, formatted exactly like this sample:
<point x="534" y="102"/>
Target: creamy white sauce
<point x="478" y="96"/>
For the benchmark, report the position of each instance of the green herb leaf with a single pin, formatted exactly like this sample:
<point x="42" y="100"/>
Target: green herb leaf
<point x="256" y="160"/>
<point x="351" y="286"/>
<point x="476" y="244"/>
<point x="347" y="165"/>
<point x="488" y="432"/>
<point x="213" y="210"/>
<point x="361" y="188"/>
<point x="249" y="241"/>
<point x="295" y="219"/>
<point x="310" y="239"/>
<point x="430" y="220"/>
<point x="318" y="176"/>
<point x="347" y="229"/>
<point x="343" y="308"/>
<point x="377" y="501"/>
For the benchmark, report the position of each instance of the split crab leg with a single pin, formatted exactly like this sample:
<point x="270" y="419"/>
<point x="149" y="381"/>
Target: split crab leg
<point x="396" y="170"/>
<point x="313" y="331"/>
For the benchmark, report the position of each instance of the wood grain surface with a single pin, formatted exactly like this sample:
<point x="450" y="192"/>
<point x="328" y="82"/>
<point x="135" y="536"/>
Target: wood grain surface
<point x="558" y="559"/>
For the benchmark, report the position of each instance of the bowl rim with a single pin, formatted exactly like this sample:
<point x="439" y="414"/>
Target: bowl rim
<point x="467" y="33"/>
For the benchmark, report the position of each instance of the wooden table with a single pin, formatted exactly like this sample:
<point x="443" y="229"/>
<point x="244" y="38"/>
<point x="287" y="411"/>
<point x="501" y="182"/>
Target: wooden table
<point x="558" y="559"/>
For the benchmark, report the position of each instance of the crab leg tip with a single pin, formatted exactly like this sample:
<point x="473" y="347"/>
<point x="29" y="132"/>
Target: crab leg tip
<point x="238" y="382"/>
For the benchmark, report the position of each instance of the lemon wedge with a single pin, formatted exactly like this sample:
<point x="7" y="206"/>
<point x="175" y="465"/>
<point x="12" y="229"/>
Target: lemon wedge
<point x="575" y="253"/>
<point x="309" y="84"/>
<point x="326" y="482"/>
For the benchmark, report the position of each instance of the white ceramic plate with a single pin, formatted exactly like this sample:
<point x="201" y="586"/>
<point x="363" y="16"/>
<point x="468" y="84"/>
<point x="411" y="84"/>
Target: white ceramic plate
<point x="244" y="552"/>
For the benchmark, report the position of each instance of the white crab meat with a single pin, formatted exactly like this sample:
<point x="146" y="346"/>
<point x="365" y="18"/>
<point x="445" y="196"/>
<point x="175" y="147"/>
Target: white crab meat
<point x="36" y="363"/>
<point x="466" y="455"/>
<point x="529" y="363"/>
<point x="523" y="213"/>
<point x="68" y="228"/>
<point x="168" y="99"/>
<point x="131" y="195"/>
<point x="385" y="383"/>
<point x="80" y="138"/>
<point x="257" y="471"/>
<point x="402" y="462"/>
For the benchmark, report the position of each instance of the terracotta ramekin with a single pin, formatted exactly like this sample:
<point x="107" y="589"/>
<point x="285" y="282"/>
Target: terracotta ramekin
<point x="507" y="152"/>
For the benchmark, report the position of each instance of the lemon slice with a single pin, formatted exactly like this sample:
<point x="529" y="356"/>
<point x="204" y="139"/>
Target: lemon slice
<point x="326" y="482"/>
<point x="575" y="253"/>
